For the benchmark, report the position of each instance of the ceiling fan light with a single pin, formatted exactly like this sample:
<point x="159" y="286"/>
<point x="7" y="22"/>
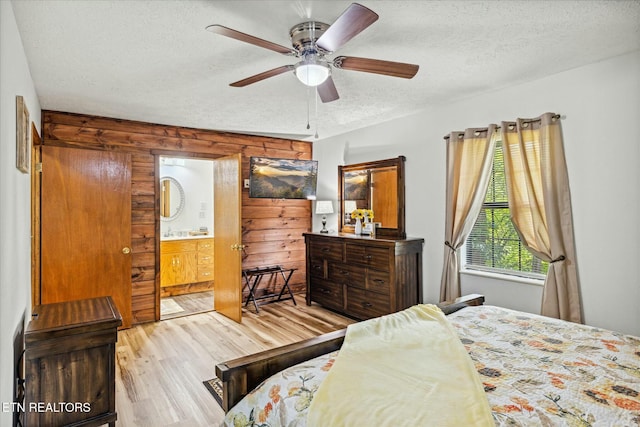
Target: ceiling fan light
<point x="312" y="73"/>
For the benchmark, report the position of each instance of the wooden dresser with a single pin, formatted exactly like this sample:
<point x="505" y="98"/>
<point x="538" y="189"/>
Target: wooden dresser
<point x="363" y="277"/>
<point x="70" y="363"/>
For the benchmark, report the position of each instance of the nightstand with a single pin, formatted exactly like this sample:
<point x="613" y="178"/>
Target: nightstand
<point x="70" y="363"/>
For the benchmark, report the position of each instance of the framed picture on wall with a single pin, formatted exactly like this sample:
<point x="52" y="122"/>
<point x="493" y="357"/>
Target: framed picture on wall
<point x="282" y="178"/>
<point x="23" y="136"/>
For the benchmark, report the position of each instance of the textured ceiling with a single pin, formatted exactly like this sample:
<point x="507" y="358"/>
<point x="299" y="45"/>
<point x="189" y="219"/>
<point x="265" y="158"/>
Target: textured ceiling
<point x="153" y="60"/>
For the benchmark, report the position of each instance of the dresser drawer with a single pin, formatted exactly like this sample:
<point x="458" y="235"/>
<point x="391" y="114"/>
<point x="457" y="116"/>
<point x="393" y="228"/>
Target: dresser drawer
<point x="347" y="274"/>
<point x="316" y="268"/>
<point x="368" y="255"/>
<point x="365" y="305"/>
<point x="327" y="293"/>
<point x="326" y="249"/>
<point x="378" y="281"/>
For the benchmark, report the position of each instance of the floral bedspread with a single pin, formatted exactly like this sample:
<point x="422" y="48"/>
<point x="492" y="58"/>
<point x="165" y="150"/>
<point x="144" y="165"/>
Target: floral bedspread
<point x="539" y="371"/>
<point x="536" y="371"/>
<point x="283" y="399"/>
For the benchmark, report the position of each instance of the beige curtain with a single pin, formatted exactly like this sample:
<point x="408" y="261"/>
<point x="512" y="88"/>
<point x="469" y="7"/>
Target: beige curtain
<point x="469" y="160"/>
<point x="540" y="206"/>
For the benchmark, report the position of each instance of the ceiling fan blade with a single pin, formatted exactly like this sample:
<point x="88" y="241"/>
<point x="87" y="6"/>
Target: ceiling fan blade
<point x="228" y="32"/>
<point x="262" y="76"/>
<point x="348" y="25"/>
<point x="327" y="91"/>
<point x="376" y="66"/>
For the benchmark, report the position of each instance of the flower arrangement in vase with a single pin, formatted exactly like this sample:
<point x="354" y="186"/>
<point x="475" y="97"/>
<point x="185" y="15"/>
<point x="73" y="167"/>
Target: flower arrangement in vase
<point x="363" y="215"/>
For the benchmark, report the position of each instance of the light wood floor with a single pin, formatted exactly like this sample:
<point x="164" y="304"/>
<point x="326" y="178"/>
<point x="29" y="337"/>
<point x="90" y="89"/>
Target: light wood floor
<point x="160" y="366"/>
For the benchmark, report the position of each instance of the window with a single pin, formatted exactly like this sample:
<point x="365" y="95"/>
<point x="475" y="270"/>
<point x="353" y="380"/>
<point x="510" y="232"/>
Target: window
<point x="494" y="244"/>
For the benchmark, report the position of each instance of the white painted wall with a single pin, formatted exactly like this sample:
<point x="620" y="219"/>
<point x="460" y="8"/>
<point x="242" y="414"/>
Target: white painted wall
<point x="327" y="189"/>
<point x="15" y="227"/>
<point x="601" y="103"/>
<point x="196" y="178"/>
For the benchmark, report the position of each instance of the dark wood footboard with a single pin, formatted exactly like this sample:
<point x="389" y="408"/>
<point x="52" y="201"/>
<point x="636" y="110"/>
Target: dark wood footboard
<point x="240" y="376"/>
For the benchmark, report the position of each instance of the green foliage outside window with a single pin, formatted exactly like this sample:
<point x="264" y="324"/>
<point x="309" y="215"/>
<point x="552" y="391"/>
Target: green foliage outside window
<point x="494" y="243"/>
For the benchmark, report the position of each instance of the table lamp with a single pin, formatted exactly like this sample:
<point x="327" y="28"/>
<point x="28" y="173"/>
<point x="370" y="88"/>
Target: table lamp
<point x="324" y="207"/>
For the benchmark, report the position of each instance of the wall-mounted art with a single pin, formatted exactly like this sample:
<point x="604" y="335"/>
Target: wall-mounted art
<point x="23" y="136"/>
<point x="283" y="178"/>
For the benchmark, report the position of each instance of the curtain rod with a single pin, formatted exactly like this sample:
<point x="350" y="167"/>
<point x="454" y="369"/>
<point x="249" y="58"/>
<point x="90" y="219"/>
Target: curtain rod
<point x="478" y="130"/>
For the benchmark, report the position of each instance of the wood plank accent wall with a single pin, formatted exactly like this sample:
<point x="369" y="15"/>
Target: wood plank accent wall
<point x="272" y="229"/>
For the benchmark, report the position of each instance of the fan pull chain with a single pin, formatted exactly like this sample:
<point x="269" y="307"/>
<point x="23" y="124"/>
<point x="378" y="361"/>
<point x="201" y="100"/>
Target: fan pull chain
<point x="315" y="89"/>
<point x="316" y="135"/>
<point x="308" y="112"/>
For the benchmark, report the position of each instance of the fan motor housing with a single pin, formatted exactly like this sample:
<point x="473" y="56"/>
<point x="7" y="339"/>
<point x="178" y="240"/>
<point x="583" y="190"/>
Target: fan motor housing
<point x="305" y="34"/>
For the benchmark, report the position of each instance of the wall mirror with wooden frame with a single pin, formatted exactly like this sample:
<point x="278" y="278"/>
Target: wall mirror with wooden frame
<point x="376" y="185"/>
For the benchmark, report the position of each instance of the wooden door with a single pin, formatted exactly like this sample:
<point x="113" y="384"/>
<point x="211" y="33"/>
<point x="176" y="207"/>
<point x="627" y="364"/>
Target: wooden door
<point x="227" y="220"/>
<point x="86" y="226"/>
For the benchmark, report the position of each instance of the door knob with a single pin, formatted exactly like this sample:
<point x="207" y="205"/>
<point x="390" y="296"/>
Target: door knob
<point x="126" y="250"/>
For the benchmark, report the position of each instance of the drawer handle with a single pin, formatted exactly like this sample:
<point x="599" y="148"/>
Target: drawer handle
<point x="317" y="267"/>
<point x="368" y="257"/>
<point x="325" y="249"/>
<point x="345" y="272"/>
<point x="379" y="281"/>
<point x="325" y="291"/>
<point x="207" y="273"/>
<point x="366" y="304"/>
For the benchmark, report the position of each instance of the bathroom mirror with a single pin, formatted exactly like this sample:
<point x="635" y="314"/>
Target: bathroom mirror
<point x="379" y="186"/>
<point x="171" y="198"/>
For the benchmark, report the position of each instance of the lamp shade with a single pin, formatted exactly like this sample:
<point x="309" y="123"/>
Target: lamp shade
<point x="311" y="72"/>
<point x="324" y="207"/>
<point x="350" y="206"/>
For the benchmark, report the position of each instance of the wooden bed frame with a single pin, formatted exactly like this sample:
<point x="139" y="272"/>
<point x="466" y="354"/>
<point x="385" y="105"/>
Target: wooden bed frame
<point x="240" y="376"/>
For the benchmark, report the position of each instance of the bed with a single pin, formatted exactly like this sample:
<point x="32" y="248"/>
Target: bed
<point x="535" y="371"/>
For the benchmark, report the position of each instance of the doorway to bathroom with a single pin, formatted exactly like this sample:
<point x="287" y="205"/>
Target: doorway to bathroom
<point x="186" y="236"/>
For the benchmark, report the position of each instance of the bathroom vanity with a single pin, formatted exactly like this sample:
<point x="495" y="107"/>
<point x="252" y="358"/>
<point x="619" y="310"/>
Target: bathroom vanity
<point x="186" y="260"/>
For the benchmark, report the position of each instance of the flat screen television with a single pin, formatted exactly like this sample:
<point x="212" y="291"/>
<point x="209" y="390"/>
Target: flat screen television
<point x="282" y="178"/>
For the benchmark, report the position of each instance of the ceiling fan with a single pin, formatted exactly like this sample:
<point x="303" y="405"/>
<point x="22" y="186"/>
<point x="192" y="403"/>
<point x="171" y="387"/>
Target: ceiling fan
<point x="312" y="41"/>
